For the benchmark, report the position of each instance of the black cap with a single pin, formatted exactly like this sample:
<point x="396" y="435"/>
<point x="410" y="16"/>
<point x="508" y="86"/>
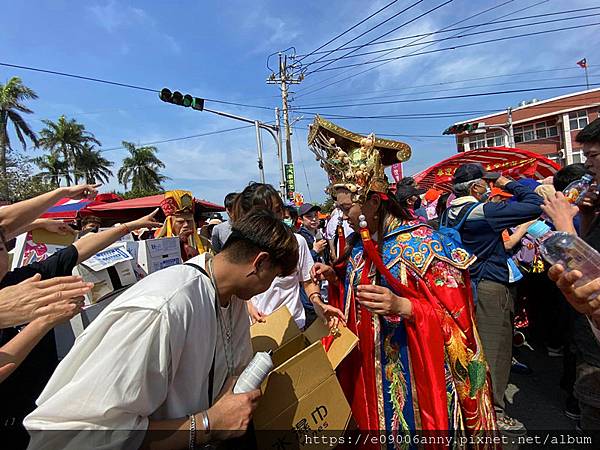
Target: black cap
<point x="473" y="171"/>
<point x="404" y="192"/>
<point x="306" y="208"/>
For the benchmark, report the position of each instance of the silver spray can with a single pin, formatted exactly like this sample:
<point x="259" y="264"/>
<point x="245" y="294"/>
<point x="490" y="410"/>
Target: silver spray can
<point x="254" y="373"/>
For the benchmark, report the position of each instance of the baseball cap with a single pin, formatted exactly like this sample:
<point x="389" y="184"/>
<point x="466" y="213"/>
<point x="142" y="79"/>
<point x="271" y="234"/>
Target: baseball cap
<point x="404" y="192"/>
<point x="308" y="207"/>
<point x="473" y="171"/>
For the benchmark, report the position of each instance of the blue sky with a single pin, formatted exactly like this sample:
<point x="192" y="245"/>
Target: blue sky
<point x="218" y="50"/>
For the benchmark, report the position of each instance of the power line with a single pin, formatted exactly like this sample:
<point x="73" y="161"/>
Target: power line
<point x="403" y="38"/>
<point x="537" y="33"/>
<point x="442" y="83"/>
<point x="115" y="83"/>
<point x="460" y="36"/>
<point x="373" y="28"/>
<point x="442" y="29"/>
<point x="346" y="55"/>
<point x="346" y="31"/>
<point x="182" y="138"/>
<point x="463" y="88"/>
<point x="447" y="97"/>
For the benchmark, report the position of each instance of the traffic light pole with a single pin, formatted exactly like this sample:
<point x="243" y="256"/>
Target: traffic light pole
<point x="274" y="131"/>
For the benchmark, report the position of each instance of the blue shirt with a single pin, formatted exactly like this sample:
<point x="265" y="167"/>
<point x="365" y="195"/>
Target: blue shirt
<point x="481" y="233"/>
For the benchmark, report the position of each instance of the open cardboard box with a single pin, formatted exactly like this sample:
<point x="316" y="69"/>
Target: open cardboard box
<point x="302" y="393"/>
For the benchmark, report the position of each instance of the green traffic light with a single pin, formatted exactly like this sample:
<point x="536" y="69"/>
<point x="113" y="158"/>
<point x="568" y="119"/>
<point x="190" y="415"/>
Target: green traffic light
<point x="187" y="100"/>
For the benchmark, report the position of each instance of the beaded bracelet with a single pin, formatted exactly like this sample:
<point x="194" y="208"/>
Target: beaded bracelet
<point x="192" y="443"/>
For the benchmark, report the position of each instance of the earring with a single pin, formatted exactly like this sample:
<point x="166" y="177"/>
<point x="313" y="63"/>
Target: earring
<point x="362" y="221"/>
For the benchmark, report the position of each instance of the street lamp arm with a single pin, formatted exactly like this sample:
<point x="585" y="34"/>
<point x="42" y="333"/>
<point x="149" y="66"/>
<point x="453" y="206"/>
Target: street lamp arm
<point x="242" y="119"/>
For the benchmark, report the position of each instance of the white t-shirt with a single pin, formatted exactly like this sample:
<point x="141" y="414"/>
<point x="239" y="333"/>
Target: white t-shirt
<point x="285" y="291"/>
<point x="146" y="356"/>
<point x="331" y="227"/>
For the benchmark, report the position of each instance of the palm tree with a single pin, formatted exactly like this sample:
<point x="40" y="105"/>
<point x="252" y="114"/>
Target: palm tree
<point x="93" y="166"/>
<point x="52" y="168"/>
<point x="12" y="95"/>
<point x="67" y="137"/>
<point x="141" y="168"/>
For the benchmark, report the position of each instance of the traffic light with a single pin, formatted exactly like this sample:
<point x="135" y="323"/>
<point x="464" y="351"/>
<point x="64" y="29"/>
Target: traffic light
<point x="464" y="128"/>
<point x="177" y="98"/>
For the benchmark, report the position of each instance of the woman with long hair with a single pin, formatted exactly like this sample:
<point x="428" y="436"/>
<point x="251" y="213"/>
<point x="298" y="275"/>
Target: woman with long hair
<point x="405" y="292"/>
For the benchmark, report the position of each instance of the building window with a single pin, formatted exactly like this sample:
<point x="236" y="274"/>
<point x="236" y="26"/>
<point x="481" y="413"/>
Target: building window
<point x="524" y="134"/>
<point x="556" y="157"/>
<point x="541" y="130"/>
<point x="578" y="156"/>
<point x="477" y="141"/>
<point x="544" y="130"/>
<point x="494" y="139"/>
<point x="578" y="120"/>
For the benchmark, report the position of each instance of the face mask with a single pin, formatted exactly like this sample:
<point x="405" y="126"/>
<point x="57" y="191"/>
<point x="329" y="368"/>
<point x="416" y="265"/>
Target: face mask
<point x="288" y="222"/>
<point x="486" y="195"/>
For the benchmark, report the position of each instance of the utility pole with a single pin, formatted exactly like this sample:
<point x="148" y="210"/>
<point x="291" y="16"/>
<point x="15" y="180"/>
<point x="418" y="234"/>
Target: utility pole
<point x="282" y="189"/>
<point x="511" y="132"/>
<point x="284" y="78"/>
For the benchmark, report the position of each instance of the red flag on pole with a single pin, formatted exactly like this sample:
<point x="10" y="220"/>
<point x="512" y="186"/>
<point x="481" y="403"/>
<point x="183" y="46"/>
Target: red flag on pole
<point x="582" y="63"/>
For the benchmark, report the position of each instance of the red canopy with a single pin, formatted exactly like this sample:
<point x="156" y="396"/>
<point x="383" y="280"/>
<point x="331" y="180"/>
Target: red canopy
<point x="513" y="162"/>
<point x="137" y="207"/>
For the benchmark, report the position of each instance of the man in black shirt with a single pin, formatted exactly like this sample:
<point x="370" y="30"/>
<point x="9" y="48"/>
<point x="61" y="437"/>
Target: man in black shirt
<point x="21" y="389"/>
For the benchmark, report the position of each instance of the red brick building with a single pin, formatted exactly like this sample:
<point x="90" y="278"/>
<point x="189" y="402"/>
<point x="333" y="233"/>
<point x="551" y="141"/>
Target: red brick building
<point x="547" y="127"/>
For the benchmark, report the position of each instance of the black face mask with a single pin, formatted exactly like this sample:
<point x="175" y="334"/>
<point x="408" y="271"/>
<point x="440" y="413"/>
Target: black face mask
<point x="417" y="204"/>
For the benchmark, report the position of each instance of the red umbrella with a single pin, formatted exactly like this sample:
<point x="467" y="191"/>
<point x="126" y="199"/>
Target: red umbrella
<point x="513" y="162"/>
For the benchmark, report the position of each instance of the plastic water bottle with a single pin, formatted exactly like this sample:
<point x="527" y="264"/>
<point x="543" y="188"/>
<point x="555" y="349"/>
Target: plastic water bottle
<point x="568" y="250"/>
<point x="254" y="373"/>
<point x="575" y="192"/>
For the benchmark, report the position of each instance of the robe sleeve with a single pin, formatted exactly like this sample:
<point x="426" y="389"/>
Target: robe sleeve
<point x="113" y="379"/>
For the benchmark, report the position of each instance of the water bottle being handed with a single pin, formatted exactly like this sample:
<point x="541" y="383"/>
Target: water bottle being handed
<point x="568" y="250"/>
<point x="577" y="190"/>
<point x="254" y="373"/>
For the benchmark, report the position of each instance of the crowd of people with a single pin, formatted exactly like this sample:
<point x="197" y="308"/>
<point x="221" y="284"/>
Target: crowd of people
<point x="431" y="282"/>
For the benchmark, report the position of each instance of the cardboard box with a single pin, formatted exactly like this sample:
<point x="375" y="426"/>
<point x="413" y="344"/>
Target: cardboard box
<point x="109" y="270"/>
<point x="157" y="254"/>
<point x="302" y="394"/>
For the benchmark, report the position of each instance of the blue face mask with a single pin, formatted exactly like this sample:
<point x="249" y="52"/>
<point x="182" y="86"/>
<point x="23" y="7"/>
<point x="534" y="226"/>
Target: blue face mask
<point x="486" y="195"/>
<point x="288" y="222"/>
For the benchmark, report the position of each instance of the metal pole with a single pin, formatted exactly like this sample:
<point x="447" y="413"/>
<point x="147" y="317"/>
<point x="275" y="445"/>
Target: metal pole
<point x="511" y="131"/>
<point x="587" y="80"/>
<point x="260" y="152"/>
<point x="284" y="101"/>
<point x="280" y="155"/>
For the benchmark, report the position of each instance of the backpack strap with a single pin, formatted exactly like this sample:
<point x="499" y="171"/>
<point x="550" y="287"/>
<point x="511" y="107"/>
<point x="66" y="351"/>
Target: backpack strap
<point x="463" y="215"/>
<point x="211" y="373"/>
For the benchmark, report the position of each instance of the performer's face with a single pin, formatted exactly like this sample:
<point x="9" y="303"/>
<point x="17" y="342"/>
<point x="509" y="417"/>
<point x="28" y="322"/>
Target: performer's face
<point x="352" y="211"/>
<point x="183" y="225"/>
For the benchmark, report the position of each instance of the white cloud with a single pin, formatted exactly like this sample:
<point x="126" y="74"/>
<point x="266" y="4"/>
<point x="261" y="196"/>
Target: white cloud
<point x="114" y="17"/>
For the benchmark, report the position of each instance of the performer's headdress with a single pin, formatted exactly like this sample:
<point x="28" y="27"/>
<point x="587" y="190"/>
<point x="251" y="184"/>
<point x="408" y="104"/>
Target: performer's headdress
<point x="353" y="161"/>
<point x="177" y="203"/>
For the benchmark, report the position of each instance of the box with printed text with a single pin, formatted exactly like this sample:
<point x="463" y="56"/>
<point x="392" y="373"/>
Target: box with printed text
<point x="302" y="394"/>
